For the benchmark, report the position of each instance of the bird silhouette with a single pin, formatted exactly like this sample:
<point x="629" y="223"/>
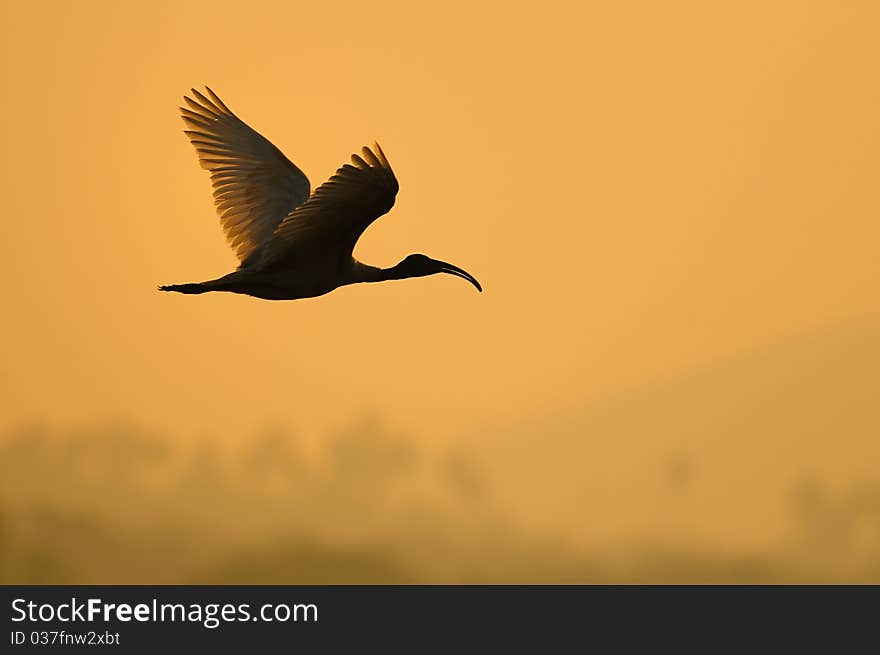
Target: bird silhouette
<point x="291" y="244"/>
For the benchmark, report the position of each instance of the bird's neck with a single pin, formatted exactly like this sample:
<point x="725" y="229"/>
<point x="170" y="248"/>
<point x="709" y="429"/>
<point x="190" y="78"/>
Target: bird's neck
<point x="365" y="273"/>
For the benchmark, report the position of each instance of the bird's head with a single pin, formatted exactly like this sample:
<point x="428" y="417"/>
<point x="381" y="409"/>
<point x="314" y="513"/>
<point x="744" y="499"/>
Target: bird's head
<point x="421" y="265"/>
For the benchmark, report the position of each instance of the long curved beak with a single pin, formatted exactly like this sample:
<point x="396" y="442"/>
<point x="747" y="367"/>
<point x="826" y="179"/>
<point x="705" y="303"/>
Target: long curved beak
<point x="460" y="272"/>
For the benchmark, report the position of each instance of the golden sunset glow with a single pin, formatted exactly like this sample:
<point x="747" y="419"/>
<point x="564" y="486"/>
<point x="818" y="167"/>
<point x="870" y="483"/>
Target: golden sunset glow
<point x="673" y="210"/>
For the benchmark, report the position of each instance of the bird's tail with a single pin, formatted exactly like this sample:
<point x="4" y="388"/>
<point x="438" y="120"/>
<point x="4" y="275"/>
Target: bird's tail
<point x="192" y="287"/>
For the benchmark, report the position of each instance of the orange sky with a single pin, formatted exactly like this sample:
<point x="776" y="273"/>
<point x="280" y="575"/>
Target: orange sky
<point x="642" y="188"/>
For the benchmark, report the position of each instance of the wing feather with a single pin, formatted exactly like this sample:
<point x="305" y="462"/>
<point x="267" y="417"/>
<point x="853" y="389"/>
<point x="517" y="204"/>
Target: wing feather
<point x="255" y="185"/>
<point x="338" y="212"/>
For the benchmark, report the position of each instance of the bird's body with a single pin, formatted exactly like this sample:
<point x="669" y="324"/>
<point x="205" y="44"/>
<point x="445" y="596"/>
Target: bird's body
<point x="307" y="281"/>
<point x="291" y="244"/>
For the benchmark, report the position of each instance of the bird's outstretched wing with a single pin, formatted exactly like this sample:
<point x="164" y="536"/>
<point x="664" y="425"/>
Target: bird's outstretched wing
<point x="255" y="185"/>
<point x="338" y="212"/>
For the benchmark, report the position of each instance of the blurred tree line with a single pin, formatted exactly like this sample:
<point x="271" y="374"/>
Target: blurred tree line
<point x="115" y="503"/>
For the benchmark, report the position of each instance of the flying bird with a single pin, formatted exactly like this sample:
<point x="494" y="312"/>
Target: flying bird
<point x="291" y="243"/>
